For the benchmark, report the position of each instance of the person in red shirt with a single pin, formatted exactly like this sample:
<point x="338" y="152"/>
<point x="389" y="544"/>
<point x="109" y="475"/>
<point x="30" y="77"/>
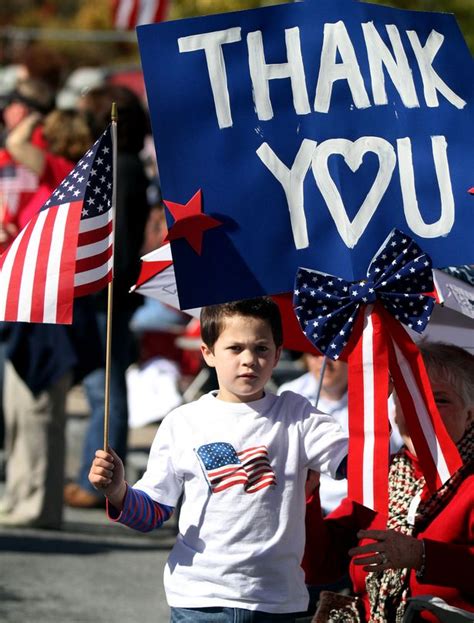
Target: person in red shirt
<point x="67" y="138"/>
<point x="18" y="183"/>
<point x="426" y="545"/>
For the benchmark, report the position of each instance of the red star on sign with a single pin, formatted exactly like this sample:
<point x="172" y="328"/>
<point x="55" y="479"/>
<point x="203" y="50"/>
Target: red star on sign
<point x="190" y="222"/>
<point x="471" y="191"/>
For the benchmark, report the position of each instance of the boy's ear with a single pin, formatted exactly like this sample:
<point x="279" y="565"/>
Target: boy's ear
<point x="208" y="355"/>
<point x="278" y="354"/>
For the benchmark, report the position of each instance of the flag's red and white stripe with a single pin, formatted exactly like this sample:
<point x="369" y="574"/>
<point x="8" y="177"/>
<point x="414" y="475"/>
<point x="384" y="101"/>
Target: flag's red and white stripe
<point x="127" y="14"/>
<point x="94" y="261"/>
<point x="254" y="472"/>
<point x="413" y="396"/>
<point x="384" y="345"/>
<point x="37" y="271"/>
<point x="17" y="184"/>
<point x="41" y="273"/>
<point x="66" y="249"/>
<point x="434" y="447"/>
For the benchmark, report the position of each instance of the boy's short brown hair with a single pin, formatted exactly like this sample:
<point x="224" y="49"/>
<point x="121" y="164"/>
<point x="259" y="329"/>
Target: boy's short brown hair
<point x="212" y="317"/>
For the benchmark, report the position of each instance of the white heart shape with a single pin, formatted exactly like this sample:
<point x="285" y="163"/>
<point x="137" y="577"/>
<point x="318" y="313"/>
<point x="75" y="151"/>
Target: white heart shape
<point x="353" y="152"/>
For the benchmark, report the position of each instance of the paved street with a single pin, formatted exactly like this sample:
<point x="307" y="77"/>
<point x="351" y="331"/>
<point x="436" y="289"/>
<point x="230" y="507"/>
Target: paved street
<point x="87" y="572"/>
<point x="91" y="570"/>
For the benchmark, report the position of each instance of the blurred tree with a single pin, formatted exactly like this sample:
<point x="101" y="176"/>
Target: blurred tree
<point x="96" y="15"/>
<point x="190" y="8"/>
<point x="462" y="9"/>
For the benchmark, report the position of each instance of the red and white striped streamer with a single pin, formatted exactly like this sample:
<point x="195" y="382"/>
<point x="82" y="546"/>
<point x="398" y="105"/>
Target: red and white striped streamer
<point x="381" y="346"/>
<point x="438" y="455"/>
<point x="368" y="414"/>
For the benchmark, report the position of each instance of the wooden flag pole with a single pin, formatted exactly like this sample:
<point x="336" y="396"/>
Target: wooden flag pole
<point x="320" y="381"/>
<point x="110" y="287"/>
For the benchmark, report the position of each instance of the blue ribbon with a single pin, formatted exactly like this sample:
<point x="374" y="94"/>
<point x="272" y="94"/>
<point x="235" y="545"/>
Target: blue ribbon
<point x="399" y="276"/>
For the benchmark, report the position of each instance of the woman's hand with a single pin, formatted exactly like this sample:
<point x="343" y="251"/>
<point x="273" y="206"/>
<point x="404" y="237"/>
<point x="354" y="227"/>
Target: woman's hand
<point x="390" y="550"/>
<point x="312" y="483"/>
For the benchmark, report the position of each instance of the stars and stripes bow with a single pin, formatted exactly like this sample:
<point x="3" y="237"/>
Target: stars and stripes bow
<point x="66" y="249"/>
<point x="363" y="320"/>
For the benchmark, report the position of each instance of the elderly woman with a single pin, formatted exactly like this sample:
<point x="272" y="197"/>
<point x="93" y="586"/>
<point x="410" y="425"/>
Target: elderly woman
<point x="426" y="546"/>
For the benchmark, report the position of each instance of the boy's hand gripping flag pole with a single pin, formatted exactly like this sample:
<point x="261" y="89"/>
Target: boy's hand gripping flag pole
<point x="110" y="291"/>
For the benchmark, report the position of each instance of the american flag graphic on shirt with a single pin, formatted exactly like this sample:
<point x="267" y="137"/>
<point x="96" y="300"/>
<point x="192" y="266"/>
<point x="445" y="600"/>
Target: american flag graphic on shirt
<point x="226" y="467"/>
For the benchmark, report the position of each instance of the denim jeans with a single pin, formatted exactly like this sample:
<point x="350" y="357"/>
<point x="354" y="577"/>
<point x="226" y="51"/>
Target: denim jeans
<point x="94" y="386"/>
<point x="227" y="615"/>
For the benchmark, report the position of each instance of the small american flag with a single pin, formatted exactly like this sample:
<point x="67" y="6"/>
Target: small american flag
<point x="66" y="249"/>
<point x="224" y="467"/>
<point x="128" y="14"/>
<point x="17" y="185"/>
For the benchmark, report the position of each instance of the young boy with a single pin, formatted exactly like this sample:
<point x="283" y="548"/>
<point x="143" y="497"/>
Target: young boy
<point x="239" y="457"/>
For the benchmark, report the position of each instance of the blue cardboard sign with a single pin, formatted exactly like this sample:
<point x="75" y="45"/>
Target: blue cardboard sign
<point x="312" y="130"/>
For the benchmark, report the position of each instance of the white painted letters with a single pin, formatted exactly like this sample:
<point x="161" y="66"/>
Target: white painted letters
<point x="292" y="182"/>
<point x="398" y="68"/>
<point x="337" y="39"/>
<point x="353" y="152"/>
<point x="444" y="224"/>
<point x="261" y="73"/>
<point x="317" y="156"/>
<point x="212" y="43"/>
<point x="431" y="81"/>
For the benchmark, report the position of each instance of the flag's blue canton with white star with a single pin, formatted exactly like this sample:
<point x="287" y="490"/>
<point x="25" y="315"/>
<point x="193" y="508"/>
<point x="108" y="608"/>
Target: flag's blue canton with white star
<point x="214" y="455"/>
<point x="90" y="181"/>
<point x="399" y="277"/>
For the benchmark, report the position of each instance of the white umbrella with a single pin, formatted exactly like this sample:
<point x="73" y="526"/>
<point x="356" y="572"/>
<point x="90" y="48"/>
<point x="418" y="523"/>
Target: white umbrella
<point x="452" y="320"/>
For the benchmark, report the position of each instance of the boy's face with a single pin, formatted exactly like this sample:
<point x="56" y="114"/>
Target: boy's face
<point x="244" y="356"/>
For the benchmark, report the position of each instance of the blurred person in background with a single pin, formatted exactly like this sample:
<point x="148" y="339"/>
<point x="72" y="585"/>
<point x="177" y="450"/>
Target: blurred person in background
<point x="132" y="211"/>
<point x="18" y="184"/>
<point x="332" y="400"/>
<point x="41" y="62"/>
<point x="43" y="360"/>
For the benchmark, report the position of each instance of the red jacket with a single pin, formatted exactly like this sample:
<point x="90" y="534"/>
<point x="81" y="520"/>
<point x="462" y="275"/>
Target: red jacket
<point x="449" y="542"/>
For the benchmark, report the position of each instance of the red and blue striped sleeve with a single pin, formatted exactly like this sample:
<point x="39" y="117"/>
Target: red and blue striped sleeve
<point x="139" y="511"/>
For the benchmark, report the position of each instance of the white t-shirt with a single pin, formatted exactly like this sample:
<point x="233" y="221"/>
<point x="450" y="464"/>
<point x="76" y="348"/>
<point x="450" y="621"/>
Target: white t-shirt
<point x="240" y="543"/>
<point x="331" y="492"/>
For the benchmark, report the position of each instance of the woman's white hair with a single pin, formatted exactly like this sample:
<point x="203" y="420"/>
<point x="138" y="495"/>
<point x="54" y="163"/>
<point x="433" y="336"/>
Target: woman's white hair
<point x="451" y="364"/>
